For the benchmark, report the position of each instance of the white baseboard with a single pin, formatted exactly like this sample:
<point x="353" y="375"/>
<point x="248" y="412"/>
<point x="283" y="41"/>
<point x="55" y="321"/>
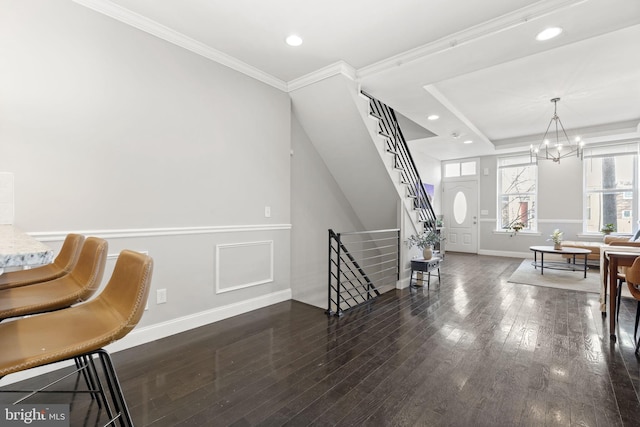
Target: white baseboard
<point x="403" y="283"/>
<point x="157" y="331"/>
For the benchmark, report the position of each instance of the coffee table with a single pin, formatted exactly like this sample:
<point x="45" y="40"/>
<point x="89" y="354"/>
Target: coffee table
<point x="558" y="265"/>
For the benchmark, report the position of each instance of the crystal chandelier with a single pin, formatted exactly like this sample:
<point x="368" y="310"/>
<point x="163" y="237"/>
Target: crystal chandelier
<point x="558" y="149"/>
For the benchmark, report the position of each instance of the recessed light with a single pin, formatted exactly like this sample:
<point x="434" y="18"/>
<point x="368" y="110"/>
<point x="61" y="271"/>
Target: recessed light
<point x="548" y="33"/>
<point x="433" y="117"/>
<point x="294" y="40"/>
<point x="468" y="141"/>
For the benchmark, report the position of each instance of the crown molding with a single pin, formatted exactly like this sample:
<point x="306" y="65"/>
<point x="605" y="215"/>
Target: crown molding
<point x="154" y="28"/>
<point x="505" y="22"/>
<point x="334" y="69"/>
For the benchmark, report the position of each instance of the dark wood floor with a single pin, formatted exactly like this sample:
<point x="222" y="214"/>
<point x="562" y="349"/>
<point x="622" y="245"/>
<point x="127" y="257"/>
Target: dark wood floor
<point x="478" y="351"/>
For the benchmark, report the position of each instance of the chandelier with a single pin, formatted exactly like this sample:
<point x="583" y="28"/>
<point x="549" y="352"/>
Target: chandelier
<point x="557" y="149"/>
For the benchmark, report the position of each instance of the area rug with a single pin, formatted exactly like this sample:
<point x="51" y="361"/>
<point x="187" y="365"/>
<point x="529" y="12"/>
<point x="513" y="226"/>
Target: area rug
<point x="561" y="279"/>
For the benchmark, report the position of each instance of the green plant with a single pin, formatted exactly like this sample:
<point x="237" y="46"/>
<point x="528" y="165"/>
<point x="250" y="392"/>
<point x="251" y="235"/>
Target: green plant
<point x="608" y="228"/>
<point x="556" y="236"/>
<point x="428" y="238"/>
<point x="517" y="226"/>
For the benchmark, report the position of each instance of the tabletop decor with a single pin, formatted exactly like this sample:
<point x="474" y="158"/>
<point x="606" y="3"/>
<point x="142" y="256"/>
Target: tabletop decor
<point x="425" y="241"/>
<point x="556" y="237"/>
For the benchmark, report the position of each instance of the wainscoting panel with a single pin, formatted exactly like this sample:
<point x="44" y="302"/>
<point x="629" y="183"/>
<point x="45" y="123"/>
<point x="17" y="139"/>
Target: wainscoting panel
<point x="241" y="265"/>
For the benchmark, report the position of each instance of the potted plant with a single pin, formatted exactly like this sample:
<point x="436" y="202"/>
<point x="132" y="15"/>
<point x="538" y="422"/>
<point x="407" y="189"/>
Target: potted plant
<point x="556" y="237"/>
<point x="517" y="224"/>
<point x="425" y="241"/>
<point x="608" y="228"/>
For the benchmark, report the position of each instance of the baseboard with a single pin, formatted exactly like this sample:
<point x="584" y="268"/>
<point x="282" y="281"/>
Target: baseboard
<point x="403" y="283"/>
<point x="157" y="331"/>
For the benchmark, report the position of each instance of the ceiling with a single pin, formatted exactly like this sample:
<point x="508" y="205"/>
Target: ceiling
<point x="474" y="63"/>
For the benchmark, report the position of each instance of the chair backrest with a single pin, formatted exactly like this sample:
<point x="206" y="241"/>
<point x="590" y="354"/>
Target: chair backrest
<point x="62" y="265"/>
<point x="77" y="286"/>
<point x="89" y="269"/>
<point x="69" y="252"/>
<point x="632" y="277"/>
<point x="127" y="290"/>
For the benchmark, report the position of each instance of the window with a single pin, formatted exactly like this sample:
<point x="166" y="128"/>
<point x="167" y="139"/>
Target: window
<point x="517" y="192"/>
<point x="611" y="188"/>
<point x="457" y="169"/>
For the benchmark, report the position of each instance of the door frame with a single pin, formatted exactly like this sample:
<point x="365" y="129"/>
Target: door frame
<point x="475" y="179"/>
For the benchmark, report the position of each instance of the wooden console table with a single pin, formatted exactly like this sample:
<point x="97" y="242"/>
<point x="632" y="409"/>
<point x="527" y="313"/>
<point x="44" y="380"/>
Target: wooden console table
<point x="610" y="261"/>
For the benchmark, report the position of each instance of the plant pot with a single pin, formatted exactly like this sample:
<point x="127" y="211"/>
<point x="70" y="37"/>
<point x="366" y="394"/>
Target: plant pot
<point x="427" y="252"/>
<point x="557" y="246"/>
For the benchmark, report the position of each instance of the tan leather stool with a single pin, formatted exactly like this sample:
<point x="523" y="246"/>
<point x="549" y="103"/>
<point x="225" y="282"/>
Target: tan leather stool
<point x="63" y="264"/>
<point x="77" y="286"/>
<point x="82" y="330"/>
<point x="632" y="277"/>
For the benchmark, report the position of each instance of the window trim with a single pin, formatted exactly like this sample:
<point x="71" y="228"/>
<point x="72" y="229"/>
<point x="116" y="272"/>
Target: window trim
<point x="526" y="161"/>
<point x="611" y="150"/>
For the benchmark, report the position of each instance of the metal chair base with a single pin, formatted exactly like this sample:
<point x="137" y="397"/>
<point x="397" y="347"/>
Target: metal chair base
<point x="113" y="402"/>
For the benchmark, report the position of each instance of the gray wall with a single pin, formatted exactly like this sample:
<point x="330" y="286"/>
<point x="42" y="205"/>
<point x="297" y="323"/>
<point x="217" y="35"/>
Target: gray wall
<point x="559" y="206"/>
<point x="317" y="204"/>
<point x="113" y="132"/>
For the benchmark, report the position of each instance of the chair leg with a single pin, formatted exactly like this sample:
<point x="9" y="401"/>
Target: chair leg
<point x="635" y="329"/>
<point x="119" y="413"/>
<point x="618" y="296"/>
<point x="115" y="389"/>
<point x="82" y="365"/>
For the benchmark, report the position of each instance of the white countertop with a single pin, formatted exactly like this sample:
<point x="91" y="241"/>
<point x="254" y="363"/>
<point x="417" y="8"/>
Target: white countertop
<point x="18" y="249"/>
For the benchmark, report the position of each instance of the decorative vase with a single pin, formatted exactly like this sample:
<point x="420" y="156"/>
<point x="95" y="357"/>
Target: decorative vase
<point x="427" y="252"/>
<point x="557" y="246"/>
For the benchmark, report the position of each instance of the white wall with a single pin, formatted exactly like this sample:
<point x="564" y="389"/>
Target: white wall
<point x="317" y="204"/>
<point x="113" y="132"/>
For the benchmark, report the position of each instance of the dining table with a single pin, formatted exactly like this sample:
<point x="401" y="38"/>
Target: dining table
<point x="20" y="250"/>
<point x="611" y="259"/>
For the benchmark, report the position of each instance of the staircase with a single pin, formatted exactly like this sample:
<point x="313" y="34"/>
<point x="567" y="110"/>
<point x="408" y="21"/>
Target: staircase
<point x="370" y="162"/>
<point x="403" y="163"/>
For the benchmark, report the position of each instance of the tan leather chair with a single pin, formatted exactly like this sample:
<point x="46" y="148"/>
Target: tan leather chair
<point x="82" y="330"/>
<point x="77" y="286"/>
<point x="63" y="264"/>
<point x="632" y="277"/>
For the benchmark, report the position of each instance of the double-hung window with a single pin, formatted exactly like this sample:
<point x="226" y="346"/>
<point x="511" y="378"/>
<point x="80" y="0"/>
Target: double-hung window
<point x="611" y="188"/>
<point x="517" y="193"/>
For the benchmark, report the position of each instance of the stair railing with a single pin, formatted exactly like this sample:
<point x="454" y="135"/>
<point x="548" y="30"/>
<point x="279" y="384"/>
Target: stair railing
<point x="403" y="161"/>
<point x="360" y="263"/>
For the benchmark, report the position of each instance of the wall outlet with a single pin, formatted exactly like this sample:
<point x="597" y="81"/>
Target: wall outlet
<point x="161" y="296"/>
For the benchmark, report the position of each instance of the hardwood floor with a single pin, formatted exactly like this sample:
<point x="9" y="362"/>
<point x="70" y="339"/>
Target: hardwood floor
<point x="478" y="351"/>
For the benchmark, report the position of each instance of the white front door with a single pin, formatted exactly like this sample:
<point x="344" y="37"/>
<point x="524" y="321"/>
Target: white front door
<point x="460" y="211"/>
